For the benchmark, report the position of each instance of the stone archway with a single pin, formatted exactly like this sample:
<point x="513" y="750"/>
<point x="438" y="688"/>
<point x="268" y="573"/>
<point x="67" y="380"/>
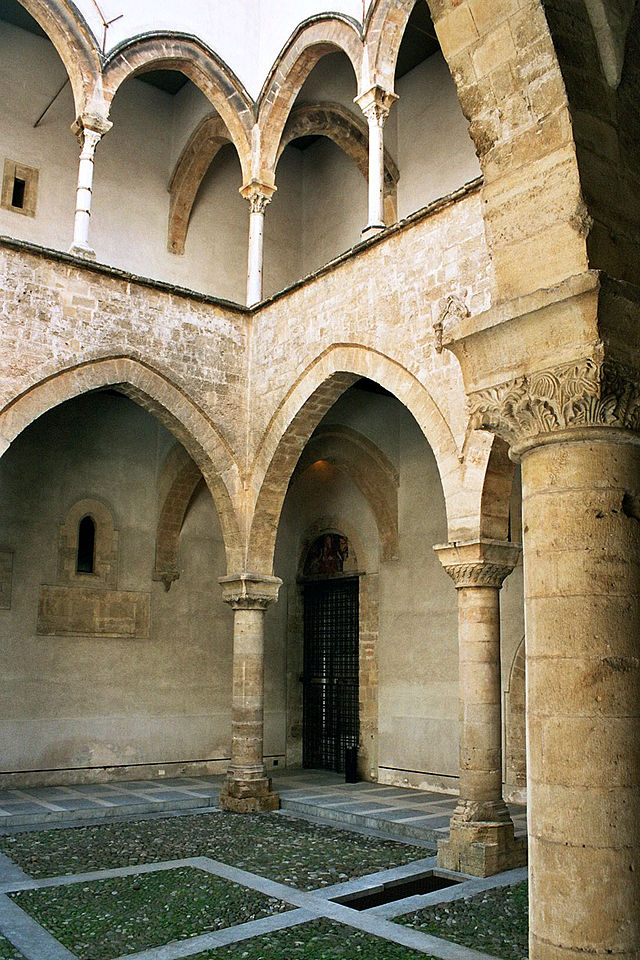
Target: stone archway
<point x="348" y="132"/>
<point x="160" y="51"/>
<point x="291" y="426"/>
<point x="308" y="44"/>
<point x="515" y="754"/>
<point x="161" y="398"/>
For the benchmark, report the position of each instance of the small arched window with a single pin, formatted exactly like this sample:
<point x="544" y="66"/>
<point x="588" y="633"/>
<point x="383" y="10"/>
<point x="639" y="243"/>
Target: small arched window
<point x="86" y="545"/>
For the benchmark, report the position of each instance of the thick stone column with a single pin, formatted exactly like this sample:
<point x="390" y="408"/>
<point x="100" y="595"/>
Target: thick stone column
<point x="89" y="131"/>
<point x="576" y="430"/>
<point x="581" y="516"/>
<point x="481" y="840"/>
<point x="259" y="196"/>
<point x="248" y="788"/>
<point x="375" y="105"/>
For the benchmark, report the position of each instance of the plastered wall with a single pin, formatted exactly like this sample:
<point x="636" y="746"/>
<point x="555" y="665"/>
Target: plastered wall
<point x="74" y="704"/>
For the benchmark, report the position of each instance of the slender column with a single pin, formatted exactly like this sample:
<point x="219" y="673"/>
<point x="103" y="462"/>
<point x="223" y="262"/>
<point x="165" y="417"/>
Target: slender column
<point x="247" y="788"/>
<point x="259" y="196"/>
<point x="375" y="105"/>
<point x="481" y="840"/>
<point x="89" y="131"/>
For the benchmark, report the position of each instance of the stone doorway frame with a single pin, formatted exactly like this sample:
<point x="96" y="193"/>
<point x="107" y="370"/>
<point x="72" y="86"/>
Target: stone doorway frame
<point x="368" y="649"/>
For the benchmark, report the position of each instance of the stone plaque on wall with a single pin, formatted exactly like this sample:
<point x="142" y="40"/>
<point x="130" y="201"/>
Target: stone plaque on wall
<point x="6" y="572"/>
<point x="91" y="612"/>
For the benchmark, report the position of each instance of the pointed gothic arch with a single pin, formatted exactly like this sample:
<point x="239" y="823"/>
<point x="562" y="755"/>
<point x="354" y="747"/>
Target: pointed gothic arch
<point x="156" y="394"/>
<point x="190" y="56"/>
<point x="291" y="426"/>
<point x="311" y="41"/>
<point x="207" y="139"/>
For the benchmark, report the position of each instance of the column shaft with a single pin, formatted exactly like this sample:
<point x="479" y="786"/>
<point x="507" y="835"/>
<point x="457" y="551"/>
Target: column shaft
<point x="376" y="172"/>
<point x="480" y="703"/>
<point x="256" y="255"/>
<point x="581" y="513"/>
<point x="375" y="105"/>
<point x="84" y="193"/>
<point x="247" y="788"/>
<point x="247" y="701"/>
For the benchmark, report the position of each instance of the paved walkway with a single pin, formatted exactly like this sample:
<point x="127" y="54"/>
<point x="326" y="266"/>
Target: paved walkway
<point x="390" y="811"/>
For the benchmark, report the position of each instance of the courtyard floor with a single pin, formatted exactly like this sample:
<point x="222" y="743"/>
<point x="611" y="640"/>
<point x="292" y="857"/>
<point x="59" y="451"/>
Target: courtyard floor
<point x="200" y="883"/>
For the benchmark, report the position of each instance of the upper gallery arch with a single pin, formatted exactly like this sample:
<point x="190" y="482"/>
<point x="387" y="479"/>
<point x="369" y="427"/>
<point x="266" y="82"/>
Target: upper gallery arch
<point x="187" y="54"/>
<point x="311" y="41"/>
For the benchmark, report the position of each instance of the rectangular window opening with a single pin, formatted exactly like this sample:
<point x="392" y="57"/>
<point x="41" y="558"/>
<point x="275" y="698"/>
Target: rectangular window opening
<point x="17" y="195"/>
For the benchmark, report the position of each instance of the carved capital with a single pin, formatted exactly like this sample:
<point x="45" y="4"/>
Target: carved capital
<point x="259" y="195"/>
<point x="250" y="591"/>
<point x="90" y="123"/>
<point x="478" y="563"/>
<point x="594" y="392"/>
<point x="376" y="103"/>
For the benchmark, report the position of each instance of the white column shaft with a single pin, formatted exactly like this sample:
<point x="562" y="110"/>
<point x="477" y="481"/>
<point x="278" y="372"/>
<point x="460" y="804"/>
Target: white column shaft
<point x="256" y="254"/>
<point x="84" y="193"/>
<point x="376" y="171"/>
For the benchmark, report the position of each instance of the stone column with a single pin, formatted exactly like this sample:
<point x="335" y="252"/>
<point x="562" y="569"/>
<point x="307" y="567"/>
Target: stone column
<point x="89" y="131"/>
<point x="481" y="840"/>
<point x="248" y="788"/>
<point x="576" y="430"/>
<point x="259" y="196"/>
<point x="375" y="105"/>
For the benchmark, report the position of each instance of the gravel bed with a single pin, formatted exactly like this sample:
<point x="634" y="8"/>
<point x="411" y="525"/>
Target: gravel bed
<point x="295" y="852"/>
<point x="106" y="918"/>
<point x="316" y="940"/>
<point x="495" y="922"/>
<point x="8" y="951"/>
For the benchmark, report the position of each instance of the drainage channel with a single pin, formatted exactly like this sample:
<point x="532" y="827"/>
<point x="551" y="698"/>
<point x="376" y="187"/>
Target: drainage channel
<point x="397" y="890"/>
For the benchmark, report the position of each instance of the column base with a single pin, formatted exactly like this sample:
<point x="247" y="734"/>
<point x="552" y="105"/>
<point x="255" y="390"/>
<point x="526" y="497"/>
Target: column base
<point x="82" y="250"/>
<point x="482" y="849"/>
<point x="248" y="796"/>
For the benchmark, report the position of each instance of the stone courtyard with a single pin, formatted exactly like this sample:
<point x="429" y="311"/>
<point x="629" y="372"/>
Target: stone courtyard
<point x="319" y="459"/>
<point x="190" y="884"/>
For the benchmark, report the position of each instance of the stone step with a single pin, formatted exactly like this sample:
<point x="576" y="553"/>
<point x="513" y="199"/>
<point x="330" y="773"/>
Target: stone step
<point x="120" y="811"/>
<point x="394" y="829"/>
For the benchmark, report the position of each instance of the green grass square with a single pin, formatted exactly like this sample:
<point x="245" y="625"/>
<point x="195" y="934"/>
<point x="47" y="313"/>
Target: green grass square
<point x="103" y="919"/>
<point x="294" y="852"/>
<point x="495" y="922"/>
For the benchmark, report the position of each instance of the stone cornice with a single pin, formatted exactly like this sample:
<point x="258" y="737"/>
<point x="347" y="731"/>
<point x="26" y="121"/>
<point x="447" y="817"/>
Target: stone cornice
<point x="250" y="591"/>
<point x="478" y="563"/>
<point x="592" y="392"/>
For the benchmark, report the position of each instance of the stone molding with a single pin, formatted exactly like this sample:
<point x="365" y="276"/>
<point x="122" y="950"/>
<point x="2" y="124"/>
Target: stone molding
<point x="592" y="392"/>
<point x="249" y="591"/>
<point x="478" y="563"/>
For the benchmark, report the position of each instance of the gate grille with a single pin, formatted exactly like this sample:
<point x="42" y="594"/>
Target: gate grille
<point x="330" y="705"/>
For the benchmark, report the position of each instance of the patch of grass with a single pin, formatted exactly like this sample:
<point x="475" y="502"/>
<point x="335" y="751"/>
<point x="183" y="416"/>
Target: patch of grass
<point x="291" y="851"/>
<point x="317" y="940"/>
<point x="494" y="922"/>
<point x="105" y="918"/>
<point x="8" y="951"/>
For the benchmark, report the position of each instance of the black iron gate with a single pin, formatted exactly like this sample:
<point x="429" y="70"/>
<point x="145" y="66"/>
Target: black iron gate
<point x="330" y="705"/>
